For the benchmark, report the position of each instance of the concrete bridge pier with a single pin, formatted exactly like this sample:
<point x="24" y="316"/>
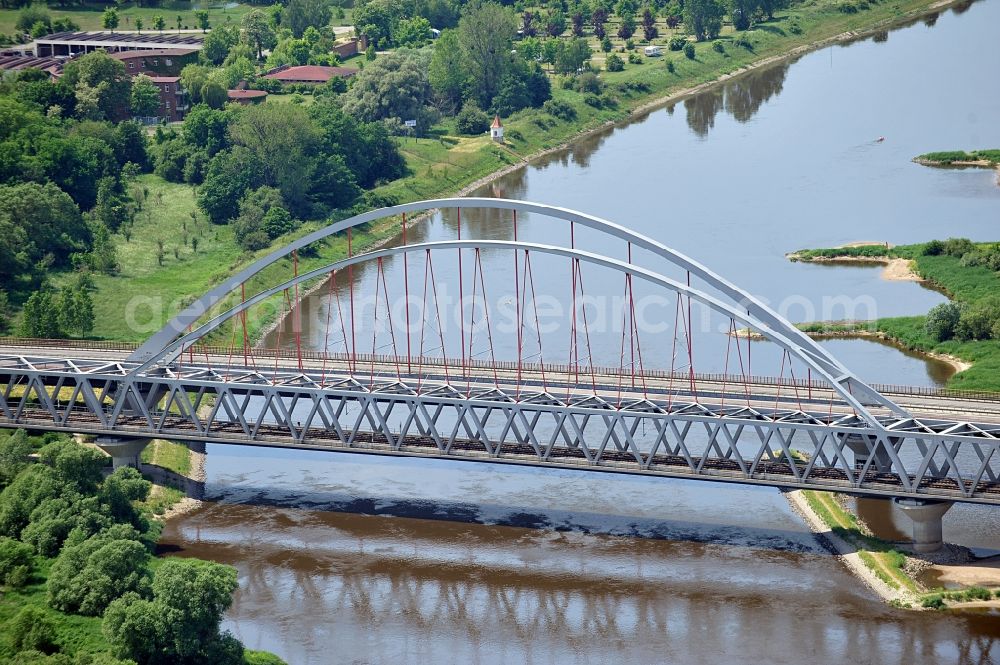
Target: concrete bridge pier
<point x="124" y="451"/>
<point x="861" y="446"/>
<point x="927" y="523"/>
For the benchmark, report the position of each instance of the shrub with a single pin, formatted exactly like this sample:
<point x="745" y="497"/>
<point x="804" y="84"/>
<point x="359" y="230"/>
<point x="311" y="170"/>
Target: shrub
<point x="472" y="120"/>
<point x="718" y="47"/>
<point x="743" y="41"/>
<point x="589" y="82"/>
<point x="606" y="45"/>
<point x="671" y="67"/>
<point x="689" y="51"/>
<point x="794" y="27"/>
<point x="614" y="63"/>
<point x="634" y="59"/>
<point x="934" y="602"/>
<point x="977" y="321"/>
<point x="847" y="8"/>
<point x="559" y="109"/>
<point x="32" y="629"/>
<point x="942" y="320"/>
<point x="978" y="593"/>
<point x="958" y="247"/>
<point x="933" y="248"/>
<point x="15" y="563"/>
<point x="677" y="43"/>
<point x="630" y="44"/>
<point x="593" y="100"/>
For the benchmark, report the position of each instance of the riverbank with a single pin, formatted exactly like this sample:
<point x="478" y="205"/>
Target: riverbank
<point x="987" y="159"/>
<point x="958" y="268"/>
<point x="890" y="570"/>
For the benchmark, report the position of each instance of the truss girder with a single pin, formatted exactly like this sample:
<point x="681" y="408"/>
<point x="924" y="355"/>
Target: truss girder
<point x="906" y="458"/>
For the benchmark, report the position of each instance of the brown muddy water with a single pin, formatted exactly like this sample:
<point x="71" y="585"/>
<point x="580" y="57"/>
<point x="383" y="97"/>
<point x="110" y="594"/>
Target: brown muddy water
<point x="346" y="559"/>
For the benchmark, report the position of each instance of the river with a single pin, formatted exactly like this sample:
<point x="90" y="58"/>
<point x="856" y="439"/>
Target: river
<point x="345" y="559"/>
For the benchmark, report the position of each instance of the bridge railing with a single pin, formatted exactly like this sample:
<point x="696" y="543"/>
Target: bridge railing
<point x="503" y="365"/>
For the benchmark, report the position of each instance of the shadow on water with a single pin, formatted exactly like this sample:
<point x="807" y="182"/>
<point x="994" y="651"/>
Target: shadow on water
<point x="518" y="516"/>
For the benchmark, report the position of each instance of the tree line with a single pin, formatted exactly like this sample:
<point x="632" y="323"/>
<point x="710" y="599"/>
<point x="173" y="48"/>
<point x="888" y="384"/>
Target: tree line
<point x="83" y="536"/>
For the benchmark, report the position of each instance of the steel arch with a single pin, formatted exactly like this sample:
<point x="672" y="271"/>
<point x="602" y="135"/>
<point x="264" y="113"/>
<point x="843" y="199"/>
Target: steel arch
<point x="177" y="347"/>
<point x="842" y="376"/>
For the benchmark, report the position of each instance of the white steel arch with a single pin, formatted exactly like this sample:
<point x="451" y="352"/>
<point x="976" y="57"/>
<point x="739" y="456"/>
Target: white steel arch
<point x="174" y="349"/>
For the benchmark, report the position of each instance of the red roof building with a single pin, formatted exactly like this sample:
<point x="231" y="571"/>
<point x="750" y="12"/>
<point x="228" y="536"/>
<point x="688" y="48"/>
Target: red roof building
<point x="246" y="96"/>
<point x="309" y="74"/>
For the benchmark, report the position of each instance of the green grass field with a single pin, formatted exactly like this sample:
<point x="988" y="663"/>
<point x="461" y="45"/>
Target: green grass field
<point x="89" y="15"/>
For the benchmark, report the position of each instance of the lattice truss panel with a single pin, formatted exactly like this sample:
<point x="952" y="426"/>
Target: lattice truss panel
<point x="769" y="446"/>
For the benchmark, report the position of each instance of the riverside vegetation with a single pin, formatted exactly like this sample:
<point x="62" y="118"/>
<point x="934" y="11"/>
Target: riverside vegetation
<point x="120" y="214"/>
<point x="967" y="327"/>
<point x="79" y="583"/>
<point x="886" y="562"/>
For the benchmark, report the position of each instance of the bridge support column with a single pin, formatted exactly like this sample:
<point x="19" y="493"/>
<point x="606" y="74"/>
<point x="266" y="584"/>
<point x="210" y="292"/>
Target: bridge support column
<point x="124" y="451"/>
<point x="927" y="523"/>
<point x="861" y="449"/>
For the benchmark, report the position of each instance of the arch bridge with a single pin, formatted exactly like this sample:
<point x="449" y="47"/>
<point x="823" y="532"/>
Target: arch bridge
<point x="403" y="370"/>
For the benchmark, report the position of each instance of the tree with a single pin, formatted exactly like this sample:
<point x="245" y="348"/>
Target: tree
<point x="606" y="45"/>
<point x="741" y="12"/>
<point x="978" y="319"/>
<point x="256" y="31"/>
<point x="301" y="14"/>
<point x="376" y="19"/>
<point x="627" y="27"/>
<point x="102" y="86"/>
<point x="649" y="30"/>
<point x="230" y="174"/>
<point x="395" y="86"/>
<point x="207" y="129"/>
<point x="110" y="19"/>
<point x="527" y="24"/>
<point x="214" y="95"/>
<point x="485" y="32"/>
<point x="180" y="22"/>
<point x="40" y="316"/>
<point x="614" y="63"/>
<point x="249" y="228"/>
<point x="284" y="140"/>
<point x="138" y="24"/>
<point x="85" y="578"/>
<point x="181" y="623"/>
<point x="16" y="561"/>
<point x="217" y="44"/>
<point x="14" y="451"/>
<point x="193" y="78"/>
<point x="577" y="20"/>
<point x="37" y="221"/>
<point x="572" y="55"/>
<point x="159" y="23"/>
<point x="201" y="16"/>
<point x="31" y="16"/>
<point x="366" y="147"/>
<point x="703" y="18"/>
<point x="4" y="311"/>
<point x="447" y="74"/>
<point x="145" y="98"/>
<point x="600" y="18"/>
<point x="555" y="23"/>
<point x="942" y="320"/>
<point x="414" y="32"/>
